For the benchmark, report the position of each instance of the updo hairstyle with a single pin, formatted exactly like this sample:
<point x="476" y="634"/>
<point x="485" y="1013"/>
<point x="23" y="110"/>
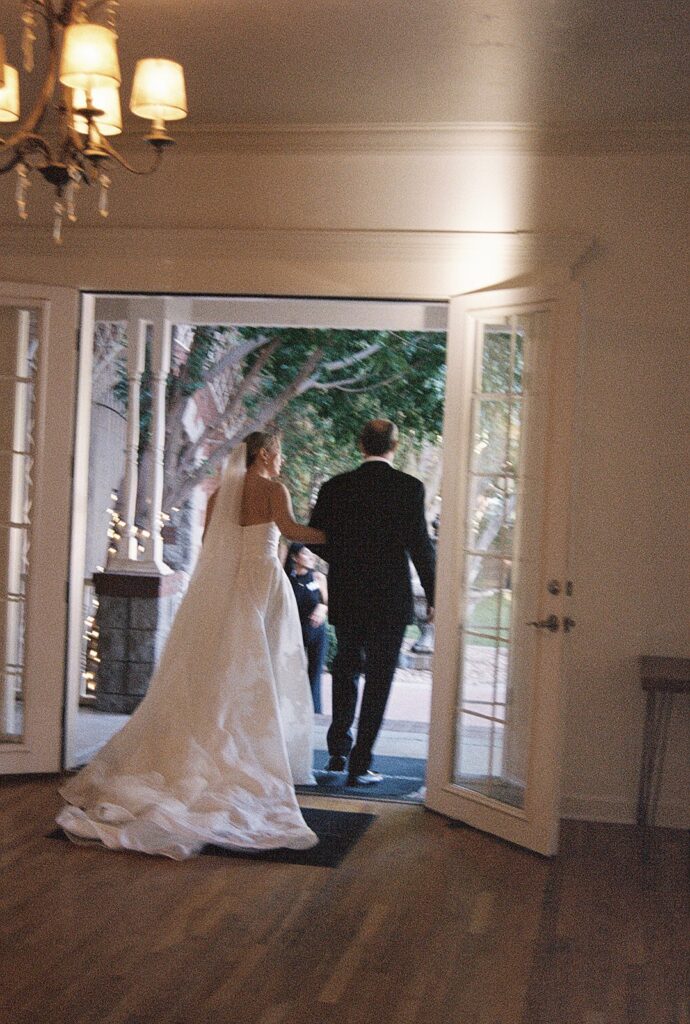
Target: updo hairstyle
<point x="258" y="439"/>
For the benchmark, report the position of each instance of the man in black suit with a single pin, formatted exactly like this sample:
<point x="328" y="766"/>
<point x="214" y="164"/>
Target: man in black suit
<point x="374" y="519"/>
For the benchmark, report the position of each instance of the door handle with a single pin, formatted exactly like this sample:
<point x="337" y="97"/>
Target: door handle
<point x="550" y="623"/>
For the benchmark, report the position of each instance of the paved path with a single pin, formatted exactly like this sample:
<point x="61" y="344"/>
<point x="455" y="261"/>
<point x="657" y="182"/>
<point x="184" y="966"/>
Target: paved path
<point x="405" y="730"/>
<point x="410" y="699"/>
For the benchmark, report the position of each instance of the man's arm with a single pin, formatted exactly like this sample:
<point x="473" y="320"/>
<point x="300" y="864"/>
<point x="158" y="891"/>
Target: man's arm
<point x="321" y="518"/>
<point x="419" y="545"/>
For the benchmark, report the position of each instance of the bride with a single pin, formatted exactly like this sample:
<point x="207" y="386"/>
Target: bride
<point x="224" y="733"/>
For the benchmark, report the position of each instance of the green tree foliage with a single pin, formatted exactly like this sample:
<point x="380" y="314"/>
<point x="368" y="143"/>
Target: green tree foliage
<point x="319" y="385"/>
<point x="404" y="381"/>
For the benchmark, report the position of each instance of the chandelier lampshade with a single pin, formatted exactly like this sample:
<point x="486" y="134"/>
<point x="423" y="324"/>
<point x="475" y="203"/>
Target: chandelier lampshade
<point x="158" y="90"/>
<point x="105" y="99"/>
<point x="65" y="137"/>
<point x="9" y="94"/>
<point x="89" y="57"/>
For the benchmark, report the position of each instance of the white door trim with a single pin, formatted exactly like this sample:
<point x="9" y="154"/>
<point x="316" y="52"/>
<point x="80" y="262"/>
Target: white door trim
<point x="40" y="747"/>
<point x="536" y="825"/>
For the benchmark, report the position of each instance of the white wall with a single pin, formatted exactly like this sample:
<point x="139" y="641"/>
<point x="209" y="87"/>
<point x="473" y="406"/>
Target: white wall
<point x="377" y="215"/>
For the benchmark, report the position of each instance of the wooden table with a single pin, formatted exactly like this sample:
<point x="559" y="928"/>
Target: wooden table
<point x="661" y="678"/>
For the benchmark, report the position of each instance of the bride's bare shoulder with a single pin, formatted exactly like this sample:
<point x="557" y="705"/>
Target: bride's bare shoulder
<point x="256" y="500"/>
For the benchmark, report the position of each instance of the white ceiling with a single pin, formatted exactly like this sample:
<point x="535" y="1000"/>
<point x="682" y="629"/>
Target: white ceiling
<point x="259" y="62"/>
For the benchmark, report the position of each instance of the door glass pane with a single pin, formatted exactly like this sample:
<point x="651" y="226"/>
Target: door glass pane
<point x="496" y="434"/>
<point x="493" y="519"/>
<point x="501" y="565"/>
<point x="18" y="350"/>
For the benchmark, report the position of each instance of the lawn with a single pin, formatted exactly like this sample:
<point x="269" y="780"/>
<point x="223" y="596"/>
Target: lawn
<point x="485" y="617"/>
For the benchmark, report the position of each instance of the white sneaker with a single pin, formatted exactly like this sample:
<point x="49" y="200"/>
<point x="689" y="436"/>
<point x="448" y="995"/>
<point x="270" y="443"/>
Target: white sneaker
<point x="367" y="778"/>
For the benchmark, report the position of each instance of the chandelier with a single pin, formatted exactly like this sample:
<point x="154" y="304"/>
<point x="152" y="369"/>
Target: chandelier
<point x="82" y="60"/>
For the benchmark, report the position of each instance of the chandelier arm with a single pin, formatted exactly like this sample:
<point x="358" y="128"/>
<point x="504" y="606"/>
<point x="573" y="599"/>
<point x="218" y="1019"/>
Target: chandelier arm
<point x="13" y="161"/>
<point x="35" y="118"/>
<point x="23" y="144"/>
<point x="45" y="9"/>
<point x="114" y="155"/>
<point x="66" y="13"/>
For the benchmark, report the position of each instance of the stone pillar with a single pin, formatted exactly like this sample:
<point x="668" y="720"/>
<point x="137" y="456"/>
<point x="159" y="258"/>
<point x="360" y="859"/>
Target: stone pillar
<point x="420" y="655"/>
<point x="135" y="613"/>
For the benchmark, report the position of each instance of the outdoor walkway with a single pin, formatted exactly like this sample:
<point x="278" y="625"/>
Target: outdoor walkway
<point x="405" y="731"/>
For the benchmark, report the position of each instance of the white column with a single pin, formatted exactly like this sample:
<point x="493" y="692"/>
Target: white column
<point x="160" y="367"/>
<point x="136" y="355"/>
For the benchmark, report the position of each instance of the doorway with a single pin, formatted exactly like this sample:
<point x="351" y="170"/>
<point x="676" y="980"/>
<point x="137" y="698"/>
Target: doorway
<point x="493" y="756"/>
<point x="135" y="351"/>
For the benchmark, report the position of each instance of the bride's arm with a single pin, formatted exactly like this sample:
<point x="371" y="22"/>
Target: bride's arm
<point x="282" y="515"/>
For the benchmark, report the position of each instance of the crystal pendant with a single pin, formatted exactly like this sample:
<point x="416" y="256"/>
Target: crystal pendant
<point x="69" y="202"/>
<point x="111" y="14"/>
<point x="70" y="194"/>
<point x="23" y="184"/>
<point x="28" y="35"/>
<point x="104" y="182"/>
<point x="59" y="211"/>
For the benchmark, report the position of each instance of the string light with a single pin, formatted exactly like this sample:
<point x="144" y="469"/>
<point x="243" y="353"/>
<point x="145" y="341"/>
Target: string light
<point x="92" y="631"/>
<point x="91" y="658"/>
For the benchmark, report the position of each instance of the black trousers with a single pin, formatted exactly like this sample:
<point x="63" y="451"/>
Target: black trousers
<point x="372" y="649"/>
<point x="315" y="644"/>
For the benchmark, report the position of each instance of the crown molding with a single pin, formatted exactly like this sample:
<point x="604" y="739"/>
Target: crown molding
<point x="435" y="137"/>
<point x="429" y="265"/>
<point x="442" y="138"/>
<point x="308" y="243"/>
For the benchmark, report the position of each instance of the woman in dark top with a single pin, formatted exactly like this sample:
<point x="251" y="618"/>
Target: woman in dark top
<point x="311" y="593"/>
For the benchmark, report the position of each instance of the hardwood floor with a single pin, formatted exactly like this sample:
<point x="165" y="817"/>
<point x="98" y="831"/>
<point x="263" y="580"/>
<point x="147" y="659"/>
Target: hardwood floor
<point x="424" y="922"/>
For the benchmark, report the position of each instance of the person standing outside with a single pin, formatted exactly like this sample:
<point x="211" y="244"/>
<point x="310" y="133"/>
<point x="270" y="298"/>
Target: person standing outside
<point x="374" y="520"/>
<point x="311" y="593"/>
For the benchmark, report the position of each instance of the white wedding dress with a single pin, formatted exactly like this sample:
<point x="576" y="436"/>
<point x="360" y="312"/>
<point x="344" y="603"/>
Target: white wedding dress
<point x="225" y="731"/>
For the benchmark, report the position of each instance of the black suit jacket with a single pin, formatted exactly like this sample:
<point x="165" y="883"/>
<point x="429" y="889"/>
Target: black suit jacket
<point x="374" y="518"/>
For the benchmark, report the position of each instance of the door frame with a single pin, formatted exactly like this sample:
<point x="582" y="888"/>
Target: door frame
<point x="258" y="310"/>
<point x="40" y="747"/>
<point x="536" y="825"/>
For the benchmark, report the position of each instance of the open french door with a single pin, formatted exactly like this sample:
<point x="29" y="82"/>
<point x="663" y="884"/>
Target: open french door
<point x="502" y="616"/>
<point x="38" y="330"/>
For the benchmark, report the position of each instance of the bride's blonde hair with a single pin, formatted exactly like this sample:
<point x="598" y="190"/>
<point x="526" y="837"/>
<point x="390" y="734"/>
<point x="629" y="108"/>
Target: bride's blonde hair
<point x="258" y="439"/>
